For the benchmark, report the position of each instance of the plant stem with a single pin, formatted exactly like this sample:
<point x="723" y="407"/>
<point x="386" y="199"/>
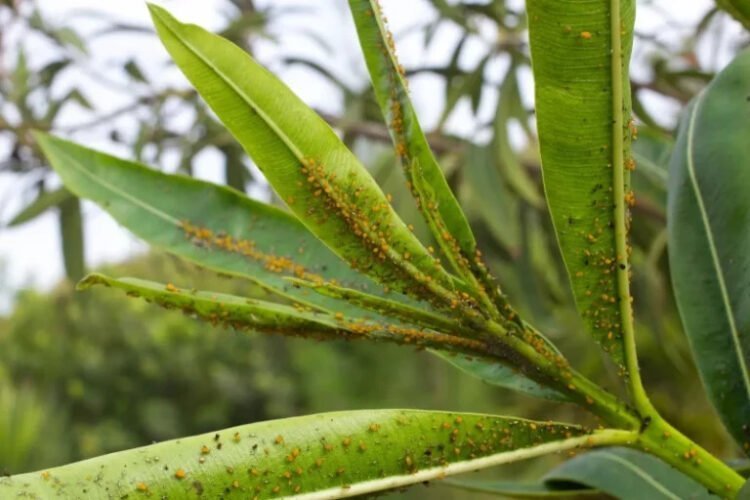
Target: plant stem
<point x="648" y="430"/>
<point x="662" y="440"/>
<point x="622" y="269"/>
<point x="554" y="371"/>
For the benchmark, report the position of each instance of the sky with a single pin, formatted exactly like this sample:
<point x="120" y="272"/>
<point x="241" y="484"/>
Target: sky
<point x="30" y="255"/>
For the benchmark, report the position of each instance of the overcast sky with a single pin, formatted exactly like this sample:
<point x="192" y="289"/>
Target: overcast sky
<point x="31" y="254"/>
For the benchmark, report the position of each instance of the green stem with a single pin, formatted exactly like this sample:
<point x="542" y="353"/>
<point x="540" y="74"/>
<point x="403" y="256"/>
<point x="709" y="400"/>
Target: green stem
<point x="554" y="371"/>
<point x="640" y="399"/>
<point x="662" y="440"/>
<point x="653" y="434"/>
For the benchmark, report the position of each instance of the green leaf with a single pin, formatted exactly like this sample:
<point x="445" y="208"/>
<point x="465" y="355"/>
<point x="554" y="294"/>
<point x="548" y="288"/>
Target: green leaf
<point x="268" y="317"/>
<point x="709" y="241"/>
<point x="228" y="310"/>
<point x="738" y="9"/>
<point x="41" y="204"/>
<point x="441" y="211"/>
<point x="619" y="472"/>
<point x="383" y="306"/>
<point x="71" y="236"/>
<point x="583" y="106"/>
<point x="493" y="373"/>
<point x="325" y="456"/>
<point x="214" y="226"/>
<point x="626" y="473"/>
<point x="321" y="181"/>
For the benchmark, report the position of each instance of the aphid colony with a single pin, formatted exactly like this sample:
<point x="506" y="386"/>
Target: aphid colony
<point x="276" y="465"/>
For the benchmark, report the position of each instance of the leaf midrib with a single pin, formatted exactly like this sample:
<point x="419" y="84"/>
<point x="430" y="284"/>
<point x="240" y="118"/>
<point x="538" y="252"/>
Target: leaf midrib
<point x="117" y="191"/>
<point x="168" y="218"/>
<point x="227" y="81"/>
<point x="392" y="482"/>
<point x="712" y="245"/>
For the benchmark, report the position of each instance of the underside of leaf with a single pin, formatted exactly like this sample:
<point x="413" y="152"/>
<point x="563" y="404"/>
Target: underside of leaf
<point x="321" y="181"/>
<point x="330" y="455"/>
<point x="580" y="62"/>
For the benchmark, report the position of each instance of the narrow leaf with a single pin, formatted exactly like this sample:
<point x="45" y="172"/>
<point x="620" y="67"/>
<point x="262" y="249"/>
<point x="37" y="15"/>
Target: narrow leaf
<point x="616" y="472"/>
<point x="493" y="373"/>
<point x="383" y="306"/>
<point x="391" y="91"/>
<point x="626" y="473"/>
<point x="331" y="455"/>
<point x="268" y="317"/>
<point x="211" y="225"/>
<point x="709" y="241"/>
<point x="321" y="181"/>
<point x="228" y="309"/>
<point x="439" y="206"/>
<point x="487" y="369"/>
<point x="580" y="55"/>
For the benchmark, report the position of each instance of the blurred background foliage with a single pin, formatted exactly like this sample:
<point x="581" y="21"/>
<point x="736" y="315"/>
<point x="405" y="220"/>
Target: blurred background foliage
<point x="85" y="374"/>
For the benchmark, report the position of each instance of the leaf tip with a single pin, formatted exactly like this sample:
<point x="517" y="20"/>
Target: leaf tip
<point x="159" y="15"/>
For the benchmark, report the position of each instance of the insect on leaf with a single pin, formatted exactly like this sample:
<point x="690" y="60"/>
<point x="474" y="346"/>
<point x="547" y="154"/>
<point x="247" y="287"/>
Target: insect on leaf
<point x="214" y="226"/>
<point x="440" y="209"/>
<point x="268" y="317"/>
<point x="330" y="455"/>
<point x="580" y="65"/>
<point x="320" y="180"/>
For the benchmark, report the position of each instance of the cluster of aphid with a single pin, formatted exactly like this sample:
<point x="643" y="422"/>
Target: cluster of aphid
<point x="205" y="237"/>
<point x="285" y="467"/>
<point x="470" y="263"/>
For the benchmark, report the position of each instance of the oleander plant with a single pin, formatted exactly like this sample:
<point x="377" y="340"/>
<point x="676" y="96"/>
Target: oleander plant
<point x="341" y="264"/>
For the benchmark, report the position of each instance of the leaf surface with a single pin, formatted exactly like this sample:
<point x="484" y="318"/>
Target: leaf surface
<point x="580" y="56"/>
<point x="617" y="472"/>
<point x="268" y="317"/>
<point x="436" y="201"/>
<point x="320" y="180"/>
<point x="709" y="240"/>
<point x="214" y="226"/>
<point x="392" y="93"/>
<point x="329" y="455"/>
